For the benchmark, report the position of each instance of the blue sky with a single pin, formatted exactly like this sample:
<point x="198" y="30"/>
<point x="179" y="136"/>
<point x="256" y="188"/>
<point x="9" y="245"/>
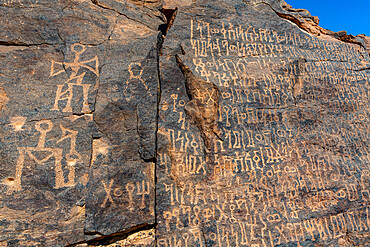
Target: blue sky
<point x="338" y="15"/>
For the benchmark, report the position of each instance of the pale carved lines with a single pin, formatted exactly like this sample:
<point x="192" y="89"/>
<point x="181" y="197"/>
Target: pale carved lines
<point x="43" y="153"/>
<point x="63" y="94"/>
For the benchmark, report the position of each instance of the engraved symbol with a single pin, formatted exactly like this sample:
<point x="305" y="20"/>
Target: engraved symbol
<point x="136" y="72"/>
<point x="130" y="189"/>
<point x="41" y="154"/>
<point x="108" y="189"/>
<point x="65" y="90"/>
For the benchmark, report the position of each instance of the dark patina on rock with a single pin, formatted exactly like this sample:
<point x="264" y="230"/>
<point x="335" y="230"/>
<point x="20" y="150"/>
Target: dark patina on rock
<point x="181" y="123"/>
<point x="288" y="166"/>
<point x="78" y="100"/>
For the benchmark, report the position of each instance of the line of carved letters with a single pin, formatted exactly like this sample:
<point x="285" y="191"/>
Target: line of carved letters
<point x="256" y="230"/>
<point x="133" y="192"/>
<point x="207" y="40"/>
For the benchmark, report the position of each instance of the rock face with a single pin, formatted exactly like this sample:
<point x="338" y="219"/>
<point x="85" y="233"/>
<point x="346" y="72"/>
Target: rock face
<point x="79" y="90"/>
<point x="181" y="123"/>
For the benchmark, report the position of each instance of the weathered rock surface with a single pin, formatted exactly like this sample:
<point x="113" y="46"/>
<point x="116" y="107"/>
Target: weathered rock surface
<point x="289" y="166"/>
<point x="181" y="123"/>
<point x="79" y="89"/>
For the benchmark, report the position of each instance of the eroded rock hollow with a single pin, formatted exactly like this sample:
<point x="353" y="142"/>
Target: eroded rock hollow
<point x="181" y="123"/>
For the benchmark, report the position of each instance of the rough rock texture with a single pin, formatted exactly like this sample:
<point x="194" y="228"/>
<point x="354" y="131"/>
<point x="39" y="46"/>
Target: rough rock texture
<point x="181" y="123"/>
<point x="79" y="90"/>
<point x="289" y="166"/>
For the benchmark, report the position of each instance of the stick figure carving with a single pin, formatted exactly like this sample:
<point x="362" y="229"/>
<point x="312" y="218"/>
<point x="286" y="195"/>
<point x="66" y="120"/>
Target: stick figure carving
<point x="136" y="71"/>
<point x="41" y="154"/>
<point x="75" y="66"/>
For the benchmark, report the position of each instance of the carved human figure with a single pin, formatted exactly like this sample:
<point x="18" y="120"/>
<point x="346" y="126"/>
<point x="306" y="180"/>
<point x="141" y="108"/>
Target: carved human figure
<point x="37" y="154"/>
<point x="136" y="71"/>
<point x="76" y="66"/>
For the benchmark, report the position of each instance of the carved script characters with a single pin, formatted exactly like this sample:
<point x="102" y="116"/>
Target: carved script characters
<point x="203" y="105"/>
<point x="31" y="3"/>
<point x="139" y="189"/>
<point x="279" y="173"/>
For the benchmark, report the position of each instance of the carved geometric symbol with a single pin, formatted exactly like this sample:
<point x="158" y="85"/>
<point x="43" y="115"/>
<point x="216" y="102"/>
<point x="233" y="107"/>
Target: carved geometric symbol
<point x="41" y="154"/>
<point x="60" y="67"/>
<point x="65" y="90"/>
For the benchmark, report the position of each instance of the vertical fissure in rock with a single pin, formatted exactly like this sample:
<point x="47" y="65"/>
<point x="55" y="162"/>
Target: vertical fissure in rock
<point x="170" y="15"/>
<point x="159" y="47"/>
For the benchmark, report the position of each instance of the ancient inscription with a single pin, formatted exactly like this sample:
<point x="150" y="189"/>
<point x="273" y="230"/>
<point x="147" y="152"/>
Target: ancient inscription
<point x="135" y="70"/>
<point x="41" y="154"/>
<point x="263" y="182"/>
<point x="65" y="91"/>
<point x="139" y="189"/>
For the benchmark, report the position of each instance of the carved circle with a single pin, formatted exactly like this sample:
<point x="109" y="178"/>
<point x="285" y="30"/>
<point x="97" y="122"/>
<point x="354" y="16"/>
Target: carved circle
<point x="39" y="126"/>
<point x="78" y="48"/>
